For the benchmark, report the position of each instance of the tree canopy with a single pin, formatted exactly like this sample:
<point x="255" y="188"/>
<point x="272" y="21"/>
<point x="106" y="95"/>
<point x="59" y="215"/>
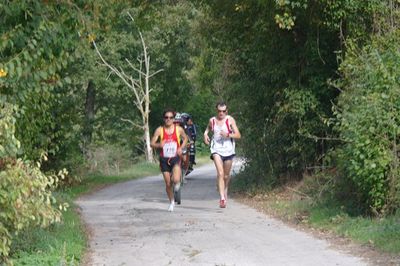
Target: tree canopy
<point x="312" y="85"/>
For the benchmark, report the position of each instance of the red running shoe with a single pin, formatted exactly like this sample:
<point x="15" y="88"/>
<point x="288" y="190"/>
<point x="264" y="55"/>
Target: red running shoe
<point x="222" y="203"/>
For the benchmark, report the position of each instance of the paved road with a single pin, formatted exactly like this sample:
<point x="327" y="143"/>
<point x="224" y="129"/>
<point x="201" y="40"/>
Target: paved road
<point x="130" y="225"/>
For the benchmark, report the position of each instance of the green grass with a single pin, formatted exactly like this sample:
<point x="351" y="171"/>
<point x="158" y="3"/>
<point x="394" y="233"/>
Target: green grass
<point x="51" y="246"/>
<point x="381" y="233"/>
<point x="98" y="180"/>
<point x="65" y="243"/>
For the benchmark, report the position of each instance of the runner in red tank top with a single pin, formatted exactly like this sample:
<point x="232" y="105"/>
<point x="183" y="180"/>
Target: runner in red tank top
<point x="165" y="139"/>
<point x="171" y="143"/>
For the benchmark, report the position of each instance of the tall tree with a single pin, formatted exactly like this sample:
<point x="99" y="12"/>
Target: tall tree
<point x="139" y="84"/>
<point x="89" y="117"/>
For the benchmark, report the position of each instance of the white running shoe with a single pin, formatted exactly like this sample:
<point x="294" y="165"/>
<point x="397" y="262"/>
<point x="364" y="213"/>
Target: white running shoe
<point x="171" y="207"/>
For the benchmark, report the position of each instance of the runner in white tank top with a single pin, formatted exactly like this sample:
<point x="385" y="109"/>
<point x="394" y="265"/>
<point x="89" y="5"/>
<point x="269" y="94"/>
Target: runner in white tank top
<point x="222" y="147"/>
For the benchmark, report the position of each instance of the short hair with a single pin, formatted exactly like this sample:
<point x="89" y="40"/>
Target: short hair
<point x="221" y="103"/>
<point x="169" y="110"/>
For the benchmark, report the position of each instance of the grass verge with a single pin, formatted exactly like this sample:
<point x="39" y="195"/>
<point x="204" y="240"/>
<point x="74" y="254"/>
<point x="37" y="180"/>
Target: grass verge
<point x="380" y="233"/>
<point x="65" y="243"/>
<point x="306" y="204"/>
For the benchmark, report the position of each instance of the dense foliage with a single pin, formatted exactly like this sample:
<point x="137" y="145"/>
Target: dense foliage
<point x="368" y="116"/>
<point x="286" y="63"/>
<point x="278" y="85"/>
<point x="34" y="52"/>
<point x="59" y="103"/>
<point x="303" y="79"/>
<point x="25" y="191"/>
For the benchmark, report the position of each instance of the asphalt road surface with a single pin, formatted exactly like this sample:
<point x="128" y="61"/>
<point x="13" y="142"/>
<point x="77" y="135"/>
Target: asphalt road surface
<point x="130" y="225"/>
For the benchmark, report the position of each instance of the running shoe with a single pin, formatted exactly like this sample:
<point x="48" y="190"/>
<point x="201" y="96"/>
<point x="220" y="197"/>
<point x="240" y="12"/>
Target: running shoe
<point x="222" y="203"/>
<point x="171" y="207"/>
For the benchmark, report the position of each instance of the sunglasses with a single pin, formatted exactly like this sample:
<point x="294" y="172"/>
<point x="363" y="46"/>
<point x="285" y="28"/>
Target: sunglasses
<point x="222" y="111"/>
<point x="168" y="117"/>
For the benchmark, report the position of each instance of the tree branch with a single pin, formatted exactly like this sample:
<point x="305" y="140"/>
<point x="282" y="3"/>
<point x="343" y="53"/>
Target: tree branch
<point x="155" y="73"/>
<point x="132" y="123"/>
<point x="110" y="66"/>
<point x="129" y="14"/>
<point x="133" y="67"/>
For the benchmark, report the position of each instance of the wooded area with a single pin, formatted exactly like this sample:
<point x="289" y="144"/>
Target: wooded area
<point x="313" y="85"/>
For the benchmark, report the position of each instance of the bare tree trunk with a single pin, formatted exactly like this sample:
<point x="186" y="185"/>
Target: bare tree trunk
<point x="140" y="88"/>
<point x="89" y="118"/>
<point x="149" y="150"/>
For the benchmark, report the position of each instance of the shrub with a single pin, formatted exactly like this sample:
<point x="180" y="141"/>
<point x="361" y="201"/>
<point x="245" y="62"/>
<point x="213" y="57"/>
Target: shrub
<point x="25" y="192"/>
<point x="369" y="122"/>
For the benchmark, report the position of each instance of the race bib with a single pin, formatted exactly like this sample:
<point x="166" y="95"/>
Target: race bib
<point x="169" y="149"/>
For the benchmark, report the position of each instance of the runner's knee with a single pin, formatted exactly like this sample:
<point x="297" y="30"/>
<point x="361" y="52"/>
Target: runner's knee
<point x="177" y="179"/>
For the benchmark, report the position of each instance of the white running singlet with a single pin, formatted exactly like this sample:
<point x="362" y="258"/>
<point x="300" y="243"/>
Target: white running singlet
<point x="219" y="144"/>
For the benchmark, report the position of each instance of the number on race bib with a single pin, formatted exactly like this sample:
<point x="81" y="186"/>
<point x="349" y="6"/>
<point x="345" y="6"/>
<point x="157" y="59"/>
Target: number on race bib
<point x="169" y="149"/>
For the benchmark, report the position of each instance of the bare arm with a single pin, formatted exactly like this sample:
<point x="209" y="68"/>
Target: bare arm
<point x="206" y="137"/>
<point x="154" y="139"/>
<point x="235" y="130"/>
<point x="185" y="138"/>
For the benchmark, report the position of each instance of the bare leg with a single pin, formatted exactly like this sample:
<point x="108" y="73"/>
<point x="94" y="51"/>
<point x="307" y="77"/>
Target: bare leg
<point x="176" y="174"/>
<point x="186" y="165"/>
<point x="219" y="165"/>
<point x="168" y="188"/>
<point x="227" y="176"/>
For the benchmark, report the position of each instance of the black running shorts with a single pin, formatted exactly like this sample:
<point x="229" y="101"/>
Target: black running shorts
<point x="166" y="164"/>
<point x="224" y="158"/>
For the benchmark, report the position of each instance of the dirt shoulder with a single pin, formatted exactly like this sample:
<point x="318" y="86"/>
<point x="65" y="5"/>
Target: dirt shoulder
<point x="264" y="203"/>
